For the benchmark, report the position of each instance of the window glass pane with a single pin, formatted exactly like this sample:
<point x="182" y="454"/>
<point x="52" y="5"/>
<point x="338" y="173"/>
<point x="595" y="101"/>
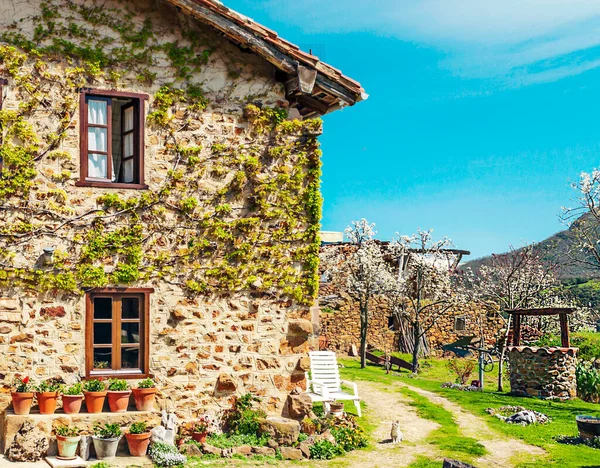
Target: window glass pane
<point x="128" y="145"/>
<point x="128" y="171"/>
<point x="102" y="333"/>
<point x="97" y="112"/>
<point x="130" y="332"/>
<point x="130" y="358"/>
<point x="102" y="308"/>
<point x="97" y="139"/>
<point x="130" y="307"/>
<point x="128" y="122"/>
<point x="102" y="358"/>
<point x="97" y="166"/>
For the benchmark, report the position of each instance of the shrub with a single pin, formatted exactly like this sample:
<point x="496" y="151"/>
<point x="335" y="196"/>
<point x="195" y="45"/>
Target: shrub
<point x="94" y="385"/>
<point x="165" y="455"/>
<point x="117" y="385"/>
<point x="325" y="450"/>
<point x="147" y="383"/>
<point x="235" y="440"/>
<point x="100" y="465"/>
<point x="588" y="382"/>
<point x="75" y="389"/>
<point x="462" y="368"/>
<point x="66" y="431"/>
<point x="243" y="418"/>
<point x="139" y="427"/>
<point x="349" y="438"/>
<point x="108" y="431"/>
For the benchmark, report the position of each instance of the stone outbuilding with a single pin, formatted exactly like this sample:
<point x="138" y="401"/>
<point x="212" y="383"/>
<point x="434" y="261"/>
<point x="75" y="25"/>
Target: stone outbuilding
<point x="159" y="197"/>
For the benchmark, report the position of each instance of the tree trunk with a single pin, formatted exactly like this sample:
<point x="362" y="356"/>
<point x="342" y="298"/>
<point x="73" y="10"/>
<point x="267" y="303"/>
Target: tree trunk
<point x="364" y="325"/>
<point x="502" y="354"/>
<point x="415" y="354"/>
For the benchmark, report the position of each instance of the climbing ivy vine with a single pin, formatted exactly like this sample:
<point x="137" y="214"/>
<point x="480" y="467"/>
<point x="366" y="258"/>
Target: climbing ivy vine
<point x="238" y="214"/>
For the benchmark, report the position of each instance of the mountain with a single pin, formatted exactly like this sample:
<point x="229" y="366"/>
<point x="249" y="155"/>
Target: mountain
<point x="558" y="249"/>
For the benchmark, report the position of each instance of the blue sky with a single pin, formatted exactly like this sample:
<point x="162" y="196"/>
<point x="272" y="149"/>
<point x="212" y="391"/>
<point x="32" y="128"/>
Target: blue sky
<point x="481" y="112"/>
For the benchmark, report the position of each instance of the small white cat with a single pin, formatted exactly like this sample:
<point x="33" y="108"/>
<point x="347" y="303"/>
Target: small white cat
<point x="396" y="434"/>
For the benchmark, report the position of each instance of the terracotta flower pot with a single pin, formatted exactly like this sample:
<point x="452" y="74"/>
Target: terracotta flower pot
<point x="138" y="444"/>
<point x="67" y="446"/>
<point x="72" y="403"/>
<point x="199" y="436"/>
<point x="144" y="398"/>
<point x="47" y="402"/>
<point x="118" y="401"/>
<point x="22" y="402"/>
<point x="94" y="401"/>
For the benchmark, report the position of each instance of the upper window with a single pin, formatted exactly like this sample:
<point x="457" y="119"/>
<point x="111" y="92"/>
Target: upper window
<point x="117" y="333"/>
<point x="112" y="139"/>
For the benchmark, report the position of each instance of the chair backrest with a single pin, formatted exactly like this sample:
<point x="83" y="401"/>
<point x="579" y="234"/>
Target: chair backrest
<point x="324" y="369"/>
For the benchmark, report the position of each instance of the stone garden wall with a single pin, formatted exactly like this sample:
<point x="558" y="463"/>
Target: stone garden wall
<point x="226" y="233"/>
<point x="340" y="317"/>
<point x="543" y="372"/>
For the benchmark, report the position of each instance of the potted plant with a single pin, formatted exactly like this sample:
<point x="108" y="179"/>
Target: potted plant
<point x="94" y="392"/>
<point x="72" y="398"/>
<point x="67" y="439"/>
<point x="336" y="408"/>
<point x="200" y="428"/>
<point x="138" y="439"/>
<point x="47" y="397"/>
<point x="118" y="395"/>
<point x="22" y="396"/>
<point x="106" y="439"/>
<point x="144" y="395"/>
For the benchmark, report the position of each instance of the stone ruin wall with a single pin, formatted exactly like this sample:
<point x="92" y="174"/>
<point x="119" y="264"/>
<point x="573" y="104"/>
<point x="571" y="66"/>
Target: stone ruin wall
<point x="543" y="372"/>
<point x="203" y="348"/>
<point x="340" y="317"/>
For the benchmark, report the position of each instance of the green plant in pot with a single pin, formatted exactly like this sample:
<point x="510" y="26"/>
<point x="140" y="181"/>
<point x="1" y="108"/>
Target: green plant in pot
<point x="67" y="439"/>
<point x="94" y="392"/>
<point x="22" y="396"/>
<point x="106" y="439"/>
<point x="47" y="396"/>
<point x="118" y="395"/>
<point x="144" y="395"/>
<point x="72" y="398"/>
<point x="138" y="439"/>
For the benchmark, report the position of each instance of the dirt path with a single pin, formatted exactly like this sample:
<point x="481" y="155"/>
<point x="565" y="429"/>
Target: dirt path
<point x="500" y="448"/>
<point x="384" y="407"/>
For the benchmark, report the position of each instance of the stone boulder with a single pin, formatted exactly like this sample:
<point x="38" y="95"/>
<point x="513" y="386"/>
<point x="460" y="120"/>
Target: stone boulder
<point x="299" y="407"/>
<point x="448" y="463"/>
<point x="29" y="445"/>
<point x="289" y="453"/>
<point x="225" y="385"/>
<point x="282" y="430"/>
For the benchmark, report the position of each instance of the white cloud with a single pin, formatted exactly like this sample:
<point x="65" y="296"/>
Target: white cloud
<point x="531" y="40"/>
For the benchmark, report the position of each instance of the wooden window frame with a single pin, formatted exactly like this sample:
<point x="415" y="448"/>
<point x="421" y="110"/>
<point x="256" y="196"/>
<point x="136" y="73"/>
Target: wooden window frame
<point x="144" y="345"/>
<point x="3" y="82"/>
<point x="139" y="138"/>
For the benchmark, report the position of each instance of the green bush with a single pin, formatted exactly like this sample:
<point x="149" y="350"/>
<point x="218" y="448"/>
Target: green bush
<point x="325" y="450"/>
<point x="588" y="344"/>
<point x="139" y="427"/>
<point x="235" y="440"/>
<point x="349" y="438"/>
<point x="243" y="418"/>
<point x="588" y="382"/>
<point x="117" y="385"/>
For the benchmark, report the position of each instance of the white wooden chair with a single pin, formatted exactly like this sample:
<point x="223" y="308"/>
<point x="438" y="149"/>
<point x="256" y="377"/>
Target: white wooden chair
<point x="324" y="383"/>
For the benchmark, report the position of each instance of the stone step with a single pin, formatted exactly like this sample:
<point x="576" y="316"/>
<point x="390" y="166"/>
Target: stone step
<point x="83" y="421"/>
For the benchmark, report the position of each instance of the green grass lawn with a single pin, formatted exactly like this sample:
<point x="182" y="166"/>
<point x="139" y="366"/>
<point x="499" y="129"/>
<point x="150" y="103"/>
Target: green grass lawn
<point x="562" y="413"/>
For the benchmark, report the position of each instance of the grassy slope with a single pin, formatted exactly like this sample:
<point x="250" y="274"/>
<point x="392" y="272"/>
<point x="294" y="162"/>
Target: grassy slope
<point x="563" y="414"/>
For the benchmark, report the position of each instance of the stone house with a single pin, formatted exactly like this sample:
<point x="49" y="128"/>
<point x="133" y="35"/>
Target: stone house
<point x="159" y="197"/>
<point x="340" y="315"/>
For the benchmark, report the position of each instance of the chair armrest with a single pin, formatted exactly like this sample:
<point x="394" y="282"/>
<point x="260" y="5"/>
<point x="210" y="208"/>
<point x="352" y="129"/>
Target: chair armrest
<point x="324" y="391"/>
<point x="351" y="384"/>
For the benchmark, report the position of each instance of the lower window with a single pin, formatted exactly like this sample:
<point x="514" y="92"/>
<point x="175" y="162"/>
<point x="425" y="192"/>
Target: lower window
<point x="460" y="324"/>
<point x="117" y="332"/>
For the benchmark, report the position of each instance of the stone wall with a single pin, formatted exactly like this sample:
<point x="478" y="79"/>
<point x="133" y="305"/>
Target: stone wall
<point x="204" y="344"/>
<point x="543" y="372"/>
<point x="340" y="317"/>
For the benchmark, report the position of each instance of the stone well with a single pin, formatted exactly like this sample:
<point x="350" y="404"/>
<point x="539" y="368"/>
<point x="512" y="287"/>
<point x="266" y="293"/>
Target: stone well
<point x="543" y="372"/>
